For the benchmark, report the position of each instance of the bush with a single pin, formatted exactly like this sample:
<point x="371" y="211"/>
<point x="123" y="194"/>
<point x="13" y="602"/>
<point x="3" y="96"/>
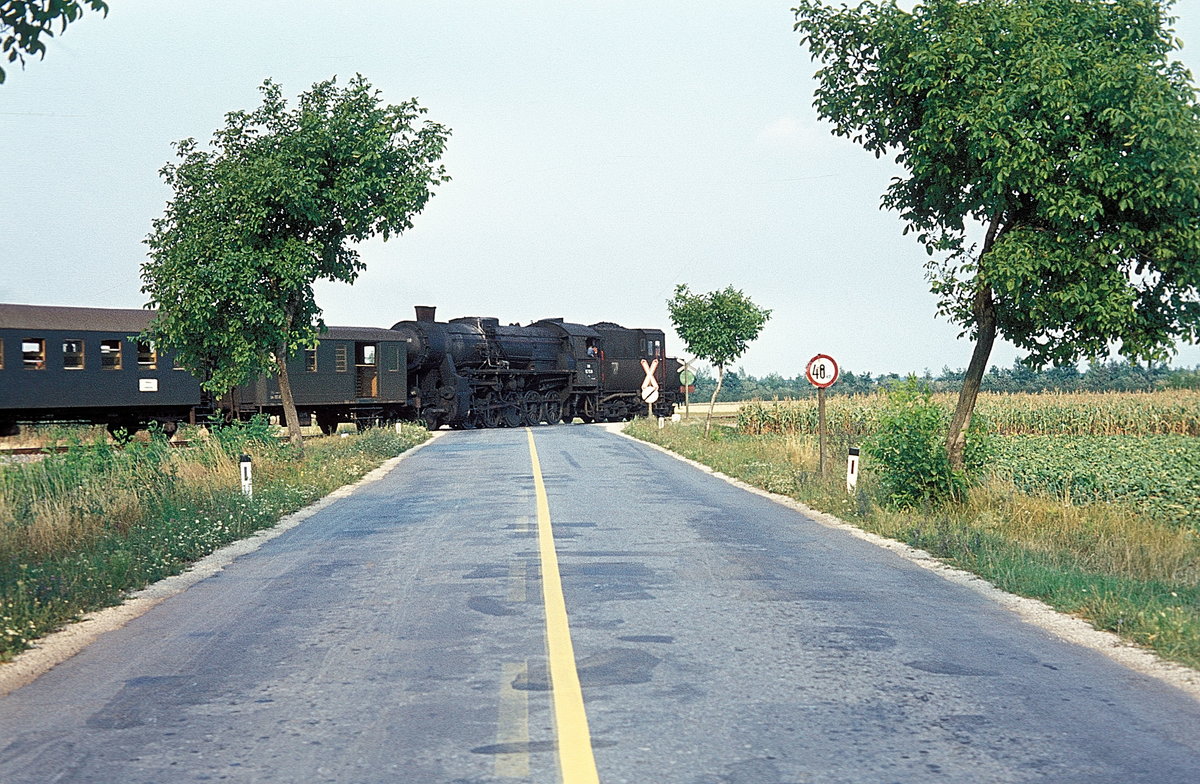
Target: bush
<point x="908" y="451"/>
<point x="237" y="436"/>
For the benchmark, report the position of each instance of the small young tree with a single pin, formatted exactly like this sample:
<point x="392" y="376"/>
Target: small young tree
<point x="269" y="211"/>
<point x="716" y="327"/>
<point x="1058" y="131"/>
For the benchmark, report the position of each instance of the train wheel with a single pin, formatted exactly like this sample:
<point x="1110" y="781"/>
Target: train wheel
<point x="122" y="430"/>
<point x="587" y="411"/>
<point x="553" y="409"/>
<point x="433" y="418"/>
<point x="510" y="412"/>
<point x="328" y="424"/>
<point x="489" y="416"/>
<point x="531" y="408"/>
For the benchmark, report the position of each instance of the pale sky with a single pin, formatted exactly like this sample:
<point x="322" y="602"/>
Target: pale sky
<point x="602" y="152"/>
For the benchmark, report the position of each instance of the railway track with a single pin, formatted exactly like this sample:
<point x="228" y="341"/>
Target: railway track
<point x="30" y="454"/>
<point x="16" y="454"/>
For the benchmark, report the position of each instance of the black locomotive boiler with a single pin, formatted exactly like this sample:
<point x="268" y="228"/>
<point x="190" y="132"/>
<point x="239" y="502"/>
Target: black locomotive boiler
<point x="475" y="372"/>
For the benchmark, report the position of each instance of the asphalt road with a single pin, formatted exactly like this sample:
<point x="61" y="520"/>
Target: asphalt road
<point x="400" y="635"/>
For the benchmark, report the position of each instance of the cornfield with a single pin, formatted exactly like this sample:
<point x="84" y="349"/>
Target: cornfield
<point x="1172" y="412"/>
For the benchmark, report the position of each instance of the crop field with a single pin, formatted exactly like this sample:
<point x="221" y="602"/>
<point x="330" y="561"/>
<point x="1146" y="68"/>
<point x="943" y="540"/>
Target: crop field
<point x="1159" y="474"/>
<point x="1140" y="449"/>
<point x="1175" y="412"/>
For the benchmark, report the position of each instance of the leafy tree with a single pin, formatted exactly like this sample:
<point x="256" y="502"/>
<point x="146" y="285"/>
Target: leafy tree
<point x="716" y="327"/>
<point x="1059" y="131"/>
<point x="24" y="22"/>
<point x="271" y="209"/>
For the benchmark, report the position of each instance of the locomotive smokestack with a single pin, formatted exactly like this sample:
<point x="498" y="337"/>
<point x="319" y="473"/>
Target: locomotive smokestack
<point x="426" y="312"/>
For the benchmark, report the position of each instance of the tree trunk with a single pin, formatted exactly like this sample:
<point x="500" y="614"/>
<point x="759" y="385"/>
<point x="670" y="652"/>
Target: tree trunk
<point x="713" y="403"/>
<point x="289" y="402"/>
<point x="985" y="319"/>
<point x="984" y="308"/>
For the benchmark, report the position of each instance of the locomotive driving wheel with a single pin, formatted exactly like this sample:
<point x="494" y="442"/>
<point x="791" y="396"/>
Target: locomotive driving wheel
<point x="510" y="411"/>
<point x="552" y="408"/>
<point x="488" y="413"/>
<point x="531" y="408"/>
<point x="432" y="417"/>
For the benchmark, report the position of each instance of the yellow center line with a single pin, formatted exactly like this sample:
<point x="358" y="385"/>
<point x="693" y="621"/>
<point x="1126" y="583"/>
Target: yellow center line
<point x="575" y="759"/>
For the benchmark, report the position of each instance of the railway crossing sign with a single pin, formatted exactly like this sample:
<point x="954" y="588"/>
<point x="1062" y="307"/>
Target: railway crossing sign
<point x="821" y="371"/>
<point x="650" y="385"/>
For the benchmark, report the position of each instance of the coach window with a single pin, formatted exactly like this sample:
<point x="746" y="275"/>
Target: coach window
<point x="147" y="356"/>
<point x="110" y="355"/>
<point x="310" y="360"/>
<point x="341" y="360"/>
<point x="394" y="357"/>
<point x="72" y="354"/>
<point x="34" y="352"/>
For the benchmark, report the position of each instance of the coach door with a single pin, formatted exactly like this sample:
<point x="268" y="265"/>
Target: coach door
<point x="366" y="368"/>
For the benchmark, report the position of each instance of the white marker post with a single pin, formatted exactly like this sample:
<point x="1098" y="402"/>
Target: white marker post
<point x="822" y="372"/>
<point x="247" y="476"/>
<point x="852" y="470"/>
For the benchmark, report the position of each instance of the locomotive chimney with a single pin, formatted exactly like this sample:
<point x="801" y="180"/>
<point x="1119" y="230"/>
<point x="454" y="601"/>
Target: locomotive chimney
<point x="426" y="312"/>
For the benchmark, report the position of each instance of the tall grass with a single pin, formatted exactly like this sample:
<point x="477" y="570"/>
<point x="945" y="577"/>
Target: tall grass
<point x="1123" y="569"/>
<point x="82" y="528"/>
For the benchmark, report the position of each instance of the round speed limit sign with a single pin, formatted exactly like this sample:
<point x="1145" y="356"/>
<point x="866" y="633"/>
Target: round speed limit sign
<point x="821" y="371"/>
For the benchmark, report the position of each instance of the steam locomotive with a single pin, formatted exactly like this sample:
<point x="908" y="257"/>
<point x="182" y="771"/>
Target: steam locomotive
<point x="86" y="365"/>
<point x="474" y="372"/>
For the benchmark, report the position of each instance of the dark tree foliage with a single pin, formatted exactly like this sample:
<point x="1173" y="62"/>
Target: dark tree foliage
<point x="1061" y="134"/>
<point x="23" y="23"/>
<point x="275" y="205"/>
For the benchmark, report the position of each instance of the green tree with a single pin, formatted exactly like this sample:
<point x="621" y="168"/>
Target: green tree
<point x="1059" y="132"/>
<point x="271" y="209"/>
<point x="24" y="22"/>
<point x="716" y="327"/>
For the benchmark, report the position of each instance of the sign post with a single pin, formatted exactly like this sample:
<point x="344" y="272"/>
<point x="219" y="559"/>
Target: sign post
<point x="822" y="372"/>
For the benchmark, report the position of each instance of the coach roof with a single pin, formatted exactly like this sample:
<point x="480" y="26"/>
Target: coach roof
<point x="54" y="318"/>
<point x="49" y="318"/>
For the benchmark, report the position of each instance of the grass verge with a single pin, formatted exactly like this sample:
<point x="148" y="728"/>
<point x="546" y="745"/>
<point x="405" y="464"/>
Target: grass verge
<point x="1110" y="564"/>
<point x="81" y="529"/>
